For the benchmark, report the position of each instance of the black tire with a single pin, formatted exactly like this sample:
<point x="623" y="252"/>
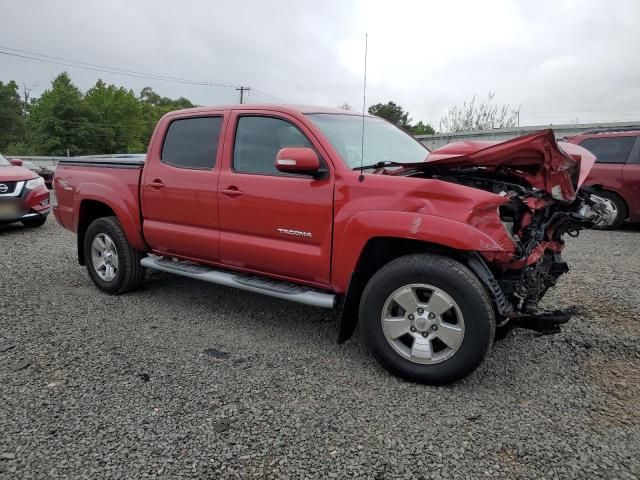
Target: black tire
<point x="461" y="285"/>
<point x="130" y="274"/>
<point x="621" y="206"/>
<point x="34" y="222"/>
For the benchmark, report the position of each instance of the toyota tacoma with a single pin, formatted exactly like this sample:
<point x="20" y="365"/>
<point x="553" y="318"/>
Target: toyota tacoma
<point x="433" y="254"/>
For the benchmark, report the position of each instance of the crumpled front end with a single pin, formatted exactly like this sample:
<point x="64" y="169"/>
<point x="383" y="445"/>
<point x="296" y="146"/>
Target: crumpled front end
<point x="537" y="225"/>
<point x="538" y="202"/>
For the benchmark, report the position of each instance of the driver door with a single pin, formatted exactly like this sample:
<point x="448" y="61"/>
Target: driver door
<point x="272" y="222"/>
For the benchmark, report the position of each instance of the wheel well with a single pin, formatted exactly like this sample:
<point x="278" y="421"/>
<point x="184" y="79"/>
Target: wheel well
<point x="377" y="253"/>
<point x="90" y="210"/>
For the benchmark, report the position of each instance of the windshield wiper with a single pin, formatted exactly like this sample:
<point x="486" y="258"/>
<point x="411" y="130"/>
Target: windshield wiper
<point x="385" y="163"/>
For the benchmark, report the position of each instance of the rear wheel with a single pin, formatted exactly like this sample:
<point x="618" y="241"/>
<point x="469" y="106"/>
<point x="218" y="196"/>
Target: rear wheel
<point x="112" y="264"/>
<point x="427" y="319"/>
<point x="620" y="210"/>
<point x="34" y="222"/>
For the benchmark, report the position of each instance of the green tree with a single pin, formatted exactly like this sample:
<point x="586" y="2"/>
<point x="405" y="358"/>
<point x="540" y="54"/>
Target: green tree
<point x="422" y="129"/>
<point x="11" y="115"/>
<point x="107" y="119"/>
<point x="392" y="112"/>
<point x="116" y="115"/>
<point x="59" y="121"/>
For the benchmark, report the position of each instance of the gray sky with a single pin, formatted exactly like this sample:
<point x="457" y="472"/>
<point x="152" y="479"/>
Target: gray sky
<point x="562" y="61"/>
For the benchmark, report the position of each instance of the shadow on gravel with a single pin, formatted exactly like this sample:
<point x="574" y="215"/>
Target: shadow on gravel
<point x="253" y="307"/>
<point x="12" y="228"/>
<point x="630" y="227"/>
<point x="250" y="314"/>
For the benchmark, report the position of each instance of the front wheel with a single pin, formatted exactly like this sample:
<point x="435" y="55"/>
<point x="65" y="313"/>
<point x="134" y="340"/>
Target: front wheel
<point x="619" y="210"/>
<point x="427" y="318"/>
<point x="113" y="265"/>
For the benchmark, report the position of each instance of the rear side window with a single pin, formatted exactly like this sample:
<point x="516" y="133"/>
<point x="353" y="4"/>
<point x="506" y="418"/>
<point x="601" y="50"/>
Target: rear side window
<point x="609" y="149"/>
<point x="258" y="140"/>
<point x="192" y="142"/>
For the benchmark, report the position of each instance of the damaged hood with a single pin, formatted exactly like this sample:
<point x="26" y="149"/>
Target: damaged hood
<point x="536" y="158"/>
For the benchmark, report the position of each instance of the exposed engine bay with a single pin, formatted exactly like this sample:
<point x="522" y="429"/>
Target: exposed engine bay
<point x="539" y="183"/>
<point x="536" y="223"/>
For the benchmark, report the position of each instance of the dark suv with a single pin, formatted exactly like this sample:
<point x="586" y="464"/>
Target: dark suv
<point x="616" y="173"/>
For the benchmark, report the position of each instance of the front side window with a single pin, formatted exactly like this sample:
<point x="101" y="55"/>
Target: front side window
<point x="258" y="140"/>
<point x="383" y="142"/>
<point x="192" y="142"/>
<point x="4" y="162"/>
<point x="609" y="149"/>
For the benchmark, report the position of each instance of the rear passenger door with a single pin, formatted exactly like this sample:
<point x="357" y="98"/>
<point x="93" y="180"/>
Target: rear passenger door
<point x="273" y="222"/>
<point x="179" y="188"/>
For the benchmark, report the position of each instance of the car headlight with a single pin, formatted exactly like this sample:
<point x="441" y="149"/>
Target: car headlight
<point x="35" y="183"/>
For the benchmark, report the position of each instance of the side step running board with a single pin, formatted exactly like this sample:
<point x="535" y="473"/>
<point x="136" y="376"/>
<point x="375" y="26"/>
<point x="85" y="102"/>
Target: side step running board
<point x="251" y="283"/>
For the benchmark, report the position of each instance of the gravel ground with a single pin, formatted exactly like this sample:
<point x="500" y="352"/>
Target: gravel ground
<point x="189" y="380"/>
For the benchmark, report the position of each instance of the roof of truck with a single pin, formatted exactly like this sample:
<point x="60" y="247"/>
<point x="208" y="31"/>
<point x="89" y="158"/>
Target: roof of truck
<point x="297" y="109"/>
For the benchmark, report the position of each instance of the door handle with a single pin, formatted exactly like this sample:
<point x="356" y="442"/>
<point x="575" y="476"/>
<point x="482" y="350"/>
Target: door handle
<point x="157" y="184"/>
<point x="231" y="192"/>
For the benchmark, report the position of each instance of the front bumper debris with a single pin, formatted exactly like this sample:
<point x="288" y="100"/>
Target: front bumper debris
<point x="545" y="323"/>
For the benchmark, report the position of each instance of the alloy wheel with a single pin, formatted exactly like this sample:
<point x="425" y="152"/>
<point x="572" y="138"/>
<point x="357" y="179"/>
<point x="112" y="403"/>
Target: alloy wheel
<point x="423" y="323"/>
<point x="104" y="257"/>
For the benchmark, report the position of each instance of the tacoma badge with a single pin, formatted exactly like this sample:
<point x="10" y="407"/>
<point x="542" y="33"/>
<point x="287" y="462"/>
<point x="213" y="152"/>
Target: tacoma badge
<point x="295" y="233"/>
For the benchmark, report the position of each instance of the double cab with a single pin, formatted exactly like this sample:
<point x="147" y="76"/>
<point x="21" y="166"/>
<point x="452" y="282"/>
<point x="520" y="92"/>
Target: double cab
<point x="433" y="253"/>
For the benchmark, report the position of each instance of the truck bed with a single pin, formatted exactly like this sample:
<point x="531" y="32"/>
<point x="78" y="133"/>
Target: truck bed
<point x="108" y="179"/>
<point x="113" y="161"/>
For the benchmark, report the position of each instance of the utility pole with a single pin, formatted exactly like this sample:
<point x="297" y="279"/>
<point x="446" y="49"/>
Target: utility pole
<point x="242" y="90"/>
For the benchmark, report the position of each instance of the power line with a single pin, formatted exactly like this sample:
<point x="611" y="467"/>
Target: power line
<point x="118" y="71"/>
<point x="39" y="57"/>
<point x="69" y="62"/>
<point x="260" y="93"/>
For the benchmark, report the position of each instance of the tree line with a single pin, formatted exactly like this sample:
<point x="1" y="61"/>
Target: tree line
<point x="65" y="121"/>
<point x="111" y="119"/>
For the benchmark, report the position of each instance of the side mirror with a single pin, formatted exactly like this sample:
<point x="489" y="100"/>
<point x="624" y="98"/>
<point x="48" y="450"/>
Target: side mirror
<point x="297" y="160"/>
<point x="16" y="162"/>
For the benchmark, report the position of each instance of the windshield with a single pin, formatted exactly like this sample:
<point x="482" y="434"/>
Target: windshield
<point x="383" y="142"/>
<point x="3" y="161"/>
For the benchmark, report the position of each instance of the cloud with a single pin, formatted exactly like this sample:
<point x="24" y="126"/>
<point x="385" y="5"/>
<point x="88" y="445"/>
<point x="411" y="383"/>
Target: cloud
<point x="560" y="60"/>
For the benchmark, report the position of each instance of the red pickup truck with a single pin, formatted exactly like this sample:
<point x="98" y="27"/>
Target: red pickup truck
<point x="430" y="252"/>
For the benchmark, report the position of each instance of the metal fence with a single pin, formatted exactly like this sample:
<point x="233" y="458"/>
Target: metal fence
<point x="43" y="161"/>
<point x="437" y="140"/>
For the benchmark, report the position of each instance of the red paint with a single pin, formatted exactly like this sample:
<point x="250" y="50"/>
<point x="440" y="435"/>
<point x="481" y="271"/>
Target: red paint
<point x="180" y="218"/>
<point x="302" y="228"/>
<point x="297" y="160"/>
<point x="622" y="178"/>
<point x="15" y="174"/>
<point x="537" y="158"/>
<point x="249" y="237"/>
<point x="113" y="187"/>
